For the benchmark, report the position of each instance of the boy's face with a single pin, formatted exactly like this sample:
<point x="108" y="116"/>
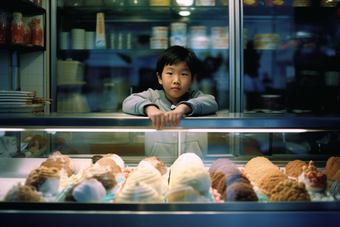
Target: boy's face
<point x="176" y="81"/>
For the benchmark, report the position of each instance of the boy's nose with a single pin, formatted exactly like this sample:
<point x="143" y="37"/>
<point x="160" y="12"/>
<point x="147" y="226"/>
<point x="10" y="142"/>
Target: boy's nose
<point x="176" y="80"/>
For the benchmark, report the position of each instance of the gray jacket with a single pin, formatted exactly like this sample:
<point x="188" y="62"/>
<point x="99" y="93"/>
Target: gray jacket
<point x="165" y="143"/>
<point x="201" y="104"/>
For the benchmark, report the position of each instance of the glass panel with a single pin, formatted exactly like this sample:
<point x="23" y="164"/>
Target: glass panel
<point x="98" y="80"/>
<point x="223" y="151"/>
<point x="291" y="56"/>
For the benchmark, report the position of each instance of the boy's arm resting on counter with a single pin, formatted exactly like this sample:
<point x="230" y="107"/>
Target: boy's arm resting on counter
<point x="201" y="104"/>
<point x="135" y="103"/>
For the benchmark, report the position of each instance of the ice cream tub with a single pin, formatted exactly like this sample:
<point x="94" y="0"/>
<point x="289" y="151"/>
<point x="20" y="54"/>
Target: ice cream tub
<point x="205" y="2"/>
<point x="259" y="45"/>
<point x="178" y="28"/>
<point x="219" y="31"/>
<point x="199" y="42"/>
<point x="198" y="30"/>
<point x="220" y="43"/>
<point x="160" y="32"/>
<point x="158" y="43"/>
<point x="180" y="40"/>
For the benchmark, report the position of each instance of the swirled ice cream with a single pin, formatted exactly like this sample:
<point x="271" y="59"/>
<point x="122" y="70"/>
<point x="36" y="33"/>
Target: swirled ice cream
<point x="135" y="191"/>
<point x="148" y="175"/>
<point x="45" y="180"/>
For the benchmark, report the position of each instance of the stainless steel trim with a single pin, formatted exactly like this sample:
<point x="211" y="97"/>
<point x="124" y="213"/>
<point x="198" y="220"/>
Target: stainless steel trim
<point x="239" y="61"/>
<point x="232" y="69"/>
<point x="125" y="121"/>
<point x="236" y="56"/>
<point x="53" y="56"/>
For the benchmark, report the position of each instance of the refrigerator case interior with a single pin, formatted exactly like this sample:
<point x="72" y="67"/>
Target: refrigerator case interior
<point x="253" y="156"/>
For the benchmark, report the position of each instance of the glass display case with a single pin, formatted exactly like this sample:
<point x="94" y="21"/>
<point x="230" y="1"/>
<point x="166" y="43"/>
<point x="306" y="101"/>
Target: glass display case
<point x="239" y="138"/>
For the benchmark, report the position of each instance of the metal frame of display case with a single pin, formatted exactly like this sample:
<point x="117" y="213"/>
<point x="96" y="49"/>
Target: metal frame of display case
<point x="169" y="214"/>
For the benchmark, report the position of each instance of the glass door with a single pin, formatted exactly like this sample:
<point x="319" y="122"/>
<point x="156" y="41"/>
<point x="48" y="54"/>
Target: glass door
<point x="89" y="78"/>
<point x="291" y="56"/>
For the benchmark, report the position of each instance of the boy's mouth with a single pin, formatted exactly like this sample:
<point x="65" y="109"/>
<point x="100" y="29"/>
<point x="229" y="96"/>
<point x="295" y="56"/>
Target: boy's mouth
<point x="175" y="88"/>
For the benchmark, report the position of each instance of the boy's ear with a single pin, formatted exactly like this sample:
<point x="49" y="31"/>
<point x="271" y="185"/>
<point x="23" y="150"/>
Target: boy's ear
<point x="159" y="79"/>
<point x="193" y="79"/>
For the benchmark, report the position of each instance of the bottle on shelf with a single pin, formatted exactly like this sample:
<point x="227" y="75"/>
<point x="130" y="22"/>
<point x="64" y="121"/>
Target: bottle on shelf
<point x="3" y="28"/>
<point x="17" y="29"/>
<point x="27" y="35"/>
<point x="37" y="32"/>
<point x="37" y="2"/>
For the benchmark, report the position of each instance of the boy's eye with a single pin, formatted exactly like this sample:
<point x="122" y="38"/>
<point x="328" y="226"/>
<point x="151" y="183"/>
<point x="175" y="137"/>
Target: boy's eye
<point x="170" y="73"/>
<point x="184" y="74"/>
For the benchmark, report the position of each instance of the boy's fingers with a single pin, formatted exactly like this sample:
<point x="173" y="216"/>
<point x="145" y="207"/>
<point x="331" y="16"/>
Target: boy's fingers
<point x="166" y="117"/>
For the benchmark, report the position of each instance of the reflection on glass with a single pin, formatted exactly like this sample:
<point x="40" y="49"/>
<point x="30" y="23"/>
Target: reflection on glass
<point x="291" y="56"/>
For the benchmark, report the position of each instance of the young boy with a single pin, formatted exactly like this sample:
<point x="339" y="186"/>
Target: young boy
<point x="176" y="72"/>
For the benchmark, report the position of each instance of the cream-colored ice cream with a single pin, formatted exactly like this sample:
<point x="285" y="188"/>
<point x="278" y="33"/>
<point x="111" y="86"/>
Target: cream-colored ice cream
<point x="156" y="163"/>
<point x="89" y="190"/>
<point x="184" y="193"/>
<point x="135" y="191"/>
<point x="194" y="176"/>
<point x="187" y="159"/>
<point x="148" y="175"/>
<point x="189" y="169"/>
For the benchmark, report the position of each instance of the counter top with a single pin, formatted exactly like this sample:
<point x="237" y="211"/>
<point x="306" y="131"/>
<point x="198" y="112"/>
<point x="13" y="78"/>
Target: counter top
<point x="122" y="120"/>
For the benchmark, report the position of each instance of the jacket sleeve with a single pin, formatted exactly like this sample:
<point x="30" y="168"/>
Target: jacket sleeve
<point x="201" y="104"/>
<point x="135" y="103"/>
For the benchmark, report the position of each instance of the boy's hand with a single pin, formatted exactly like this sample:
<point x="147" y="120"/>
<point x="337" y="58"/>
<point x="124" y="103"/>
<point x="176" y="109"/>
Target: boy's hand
<point x="156" y="116"/>
<point x="174" y="117"/>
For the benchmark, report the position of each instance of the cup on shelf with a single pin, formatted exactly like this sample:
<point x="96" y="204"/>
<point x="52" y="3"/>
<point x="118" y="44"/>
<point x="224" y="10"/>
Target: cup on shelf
<point x="90" y="39"/>
<point x="78" y="39"/>
<point x="64" y="41"/>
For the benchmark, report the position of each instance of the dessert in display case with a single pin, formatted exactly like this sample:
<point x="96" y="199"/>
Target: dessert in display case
<point x="269" y="167"/>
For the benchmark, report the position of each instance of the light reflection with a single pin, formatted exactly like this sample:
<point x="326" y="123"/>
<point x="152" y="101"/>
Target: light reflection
<point x="184" y="13"/>
<point x="228" y="130"/>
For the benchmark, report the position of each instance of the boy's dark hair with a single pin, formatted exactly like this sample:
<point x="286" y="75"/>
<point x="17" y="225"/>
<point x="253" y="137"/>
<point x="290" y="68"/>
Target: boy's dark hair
<point x="176" y="54"/>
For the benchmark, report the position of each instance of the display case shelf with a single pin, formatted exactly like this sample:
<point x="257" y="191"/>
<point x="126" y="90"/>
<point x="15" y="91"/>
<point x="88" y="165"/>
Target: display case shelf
<point x="23" y="6"/>
<point x="22" y="48"/>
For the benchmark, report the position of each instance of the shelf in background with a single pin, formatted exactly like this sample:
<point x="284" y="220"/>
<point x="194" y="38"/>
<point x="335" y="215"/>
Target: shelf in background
<point x="23" y="6"/>
<point x="297" y="13"/>
<point x="126" y="54"/>
<point x="146" y="13"/>
<point x="22" y="48"/>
